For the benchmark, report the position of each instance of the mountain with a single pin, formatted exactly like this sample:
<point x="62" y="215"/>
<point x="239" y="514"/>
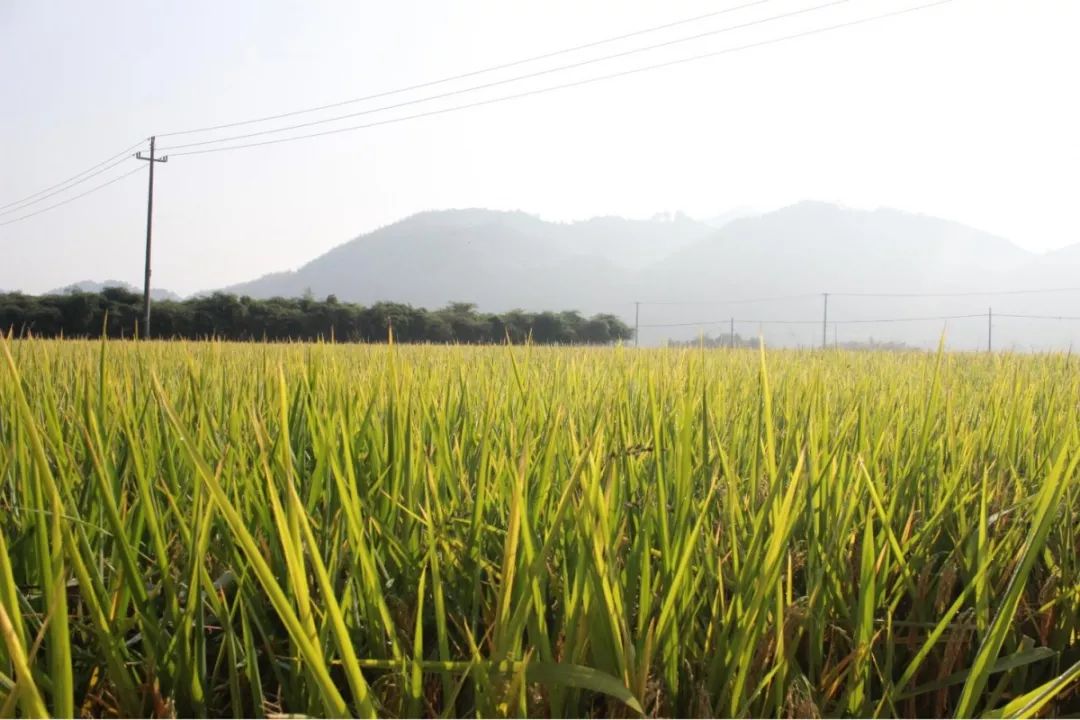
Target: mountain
<point x="722" y="219"/>
<point x="682" y="270"/>
<point x="815" y="247"/>
<point x="91" y="286"/>
<point x="811" y="248"/>
<point x="499" y="260"/>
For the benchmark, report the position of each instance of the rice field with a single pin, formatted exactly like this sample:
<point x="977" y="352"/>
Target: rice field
<point x="211" y="529"/>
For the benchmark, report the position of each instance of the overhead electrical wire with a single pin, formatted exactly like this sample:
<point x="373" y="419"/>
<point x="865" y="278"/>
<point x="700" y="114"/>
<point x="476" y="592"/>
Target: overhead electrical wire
<point x="117" y="159"/>
<point x="979" y="293"/>
<point x="1037" y="317"/>
<point x="462" y="76"/>
<point x="516" y="78"/>
<point x="578" y="83"/>
<point x="76" y="197"/>
<point x="966" y="293"/>
<point x="909" y="319"/>
<point x="106" y="161"/>
<point x="65" y="188"/>
<point x="740" y="301"/>
<point x="471" y="73"/>
<point x="813" y="322"/>
<point x="737" y="321"/>
<point x="726" y="322"/>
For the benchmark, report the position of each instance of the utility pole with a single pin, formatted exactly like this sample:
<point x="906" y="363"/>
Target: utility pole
<point x="990" y="329"/>
<point x="732" y="333"/>
<point x="637" y="327"/>
<point x="825" y="323"/>
<point x="149" y="228"/>
<point x="835" y="344"/>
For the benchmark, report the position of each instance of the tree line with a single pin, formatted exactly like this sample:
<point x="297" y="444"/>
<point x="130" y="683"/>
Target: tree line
<point x="720" y="341"/>
<point x="116" y="312"/>
<point x="723" y="341"/>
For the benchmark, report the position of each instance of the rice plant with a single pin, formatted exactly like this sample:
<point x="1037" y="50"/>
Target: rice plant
<point x="210" y="529"/>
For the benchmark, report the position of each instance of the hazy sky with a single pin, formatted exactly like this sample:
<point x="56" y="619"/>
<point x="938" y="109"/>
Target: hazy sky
<point x="968" y="111"/>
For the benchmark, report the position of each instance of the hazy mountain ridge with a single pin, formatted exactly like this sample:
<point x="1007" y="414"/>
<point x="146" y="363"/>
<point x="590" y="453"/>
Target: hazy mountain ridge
<point x="815" y="247"/>
<point x="495" y="259"/>
<point x="92" y="286"/>
<point x="504" y="260"/>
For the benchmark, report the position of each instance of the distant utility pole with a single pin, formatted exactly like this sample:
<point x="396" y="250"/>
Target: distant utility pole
<point x="990" y="329"/>
<point x="732" y="333"/>
<point x="149" y="228"/>
<point x="825" y="323"/>
<point x="835" y="344"/>
<point x="637" y="327"/>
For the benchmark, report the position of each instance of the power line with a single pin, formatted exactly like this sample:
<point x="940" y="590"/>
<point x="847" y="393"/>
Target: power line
<point x="742" y="301"/>
<point x="472" y="73"/>
<point x="505" y="81"/>
<point x="910" y="319"/>
<point x="122" y="153"/>
<point x="1038" y="317"/>
<point x="72" y="199"/>
<point x="973" y="293"/>
<point x="803" y="296"/>
<point x="65" y="188"/>
<point x="578" y="83"/>
<point x="727" y="321"/>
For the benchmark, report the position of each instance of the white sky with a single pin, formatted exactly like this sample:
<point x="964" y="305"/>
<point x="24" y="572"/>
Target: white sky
<point x="967" y="111"/>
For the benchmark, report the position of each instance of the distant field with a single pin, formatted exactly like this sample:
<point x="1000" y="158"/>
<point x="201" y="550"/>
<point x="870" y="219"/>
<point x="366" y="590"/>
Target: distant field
<point x="215" y="529"/>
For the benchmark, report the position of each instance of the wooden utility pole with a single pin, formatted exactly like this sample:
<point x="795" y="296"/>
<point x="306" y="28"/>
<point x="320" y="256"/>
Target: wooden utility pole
<point x="990" y="329"/>
<point x="149" y="228"/>
<point x="732" y="333"/>
<point x="825" y="323"/>
<point x="637" y="327"/>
